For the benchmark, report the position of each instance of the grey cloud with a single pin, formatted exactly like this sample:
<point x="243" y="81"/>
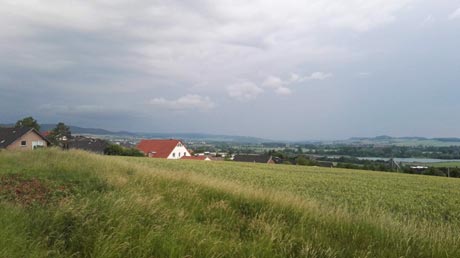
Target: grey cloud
<point x="90" y="60"/>
<point x="187" y="102"/>
<point x="455" y="14"/>
<point x="244" y="90"/>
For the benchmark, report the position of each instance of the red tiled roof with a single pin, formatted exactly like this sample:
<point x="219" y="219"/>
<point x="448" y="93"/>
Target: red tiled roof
<point x="46" y="133"/>
<point x="194" y="157"/>
<point x="158" y="148"/>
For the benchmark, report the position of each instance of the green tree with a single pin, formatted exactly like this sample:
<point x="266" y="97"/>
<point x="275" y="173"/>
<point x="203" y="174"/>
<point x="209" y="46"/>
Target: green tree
<point x="59" y="134"/>
<point x="302" y="161"/>
<point x="28" y="122"/>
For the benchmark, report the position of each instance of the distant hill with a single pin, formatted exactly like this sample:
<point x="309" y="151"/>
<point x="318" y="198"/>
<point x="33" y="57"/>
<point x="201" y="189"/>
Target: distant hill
<point x="401" y="141"/>
<point x="184" y="136"/>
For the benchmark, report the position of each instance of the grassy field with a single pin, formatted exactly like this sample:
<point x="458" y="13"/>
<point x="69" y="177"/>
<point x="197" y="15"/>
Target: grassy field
<point x="445" y="164"/>
<point x="75" y="204"/>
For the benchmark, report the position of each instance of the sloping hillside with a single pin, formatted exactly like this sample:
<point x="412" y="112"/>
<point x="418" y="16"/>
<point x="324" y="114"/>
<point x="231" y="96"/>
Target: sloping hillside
<point x="62" y="204"/>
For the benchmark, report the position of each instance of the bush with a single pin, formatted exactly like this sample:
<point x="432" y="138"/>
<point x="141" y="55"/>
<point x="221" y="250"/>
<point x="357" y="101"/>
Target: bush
<point x="117" y="150"/>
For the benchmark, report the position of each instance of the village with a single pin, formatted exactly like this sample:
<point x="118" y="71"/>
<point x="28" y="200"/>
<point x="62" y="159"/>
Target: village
<point x="25" y="136"/>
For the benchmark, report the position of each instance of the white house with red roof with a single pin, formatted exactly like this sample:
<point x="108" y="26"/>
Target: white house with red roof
<point x="166" y="149"/>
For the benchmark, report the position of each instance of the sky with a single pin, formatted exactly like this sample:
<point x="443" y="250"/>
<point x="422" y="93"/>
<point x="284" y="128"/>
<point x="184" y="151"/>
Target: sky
<point x="285" y="70"/>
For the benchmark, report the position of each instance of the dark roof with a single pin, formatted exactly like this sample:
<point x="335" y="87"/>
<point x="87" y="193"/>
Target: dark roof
<point x="88" y="144"/>
<point x="11" y="134"/>
<point x="253" y="158"/>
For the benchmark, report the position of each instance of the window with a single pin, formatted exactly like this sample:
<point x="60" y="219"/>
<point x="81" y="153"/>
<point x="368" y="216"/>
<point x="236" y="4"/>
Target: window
<point x="178" y="154"/>
<point x="38" y="144"/>
<point x="185" y="153"/>
<point x="174" y="155"/>
<point x="23" y="143"/>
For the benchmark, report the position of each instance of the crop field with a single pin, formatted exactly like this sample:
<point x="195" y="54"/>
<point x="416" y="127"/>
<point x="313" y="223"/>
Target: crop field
<point x="74" y="204"/>
<point x="445" y="164"/>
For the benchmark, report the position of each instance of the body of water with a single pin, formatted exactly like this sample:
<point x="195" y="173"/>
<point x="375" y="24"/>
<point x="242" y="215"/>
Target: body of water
<point x="411" y="160"/>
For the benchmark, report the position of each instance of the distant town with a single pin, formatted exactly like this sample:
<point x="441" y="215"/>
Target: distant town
<point x="414" y="155"/>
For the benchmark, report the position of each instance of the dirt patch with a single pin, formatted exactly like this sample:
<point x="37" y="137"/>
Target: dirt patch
<point x="26" y="192"/>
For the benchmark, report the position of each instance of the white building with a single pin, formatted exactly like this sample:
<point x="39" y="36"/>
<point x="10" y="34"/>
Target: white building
<point x="166" y="149"/>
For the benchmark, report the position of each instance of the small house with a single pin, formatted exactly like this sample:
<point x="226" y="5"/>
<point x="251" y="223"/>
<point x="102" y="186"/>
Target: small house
<point x="24" y="138"/>
<point x="166" y="149"/>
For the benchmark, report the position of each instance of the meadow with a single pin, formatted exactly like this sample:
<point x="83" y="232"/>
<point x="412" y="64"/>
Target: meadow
<point x="445" y="164"/>
<point x="74" y="204"/>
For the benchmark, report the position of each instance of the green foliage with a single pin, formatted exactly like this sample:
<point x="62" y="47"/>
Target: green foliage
<point x="117" y="150"/>
<point x="303" y="161"/>
<point x="28" y="122"/>
<point x="137" y="207"/>
<point x="59" y="134"/>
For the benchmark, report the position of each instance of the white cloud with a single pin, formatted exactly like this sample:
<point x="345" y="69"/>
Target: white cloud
<point x="429" y="20"/>
<point x="273" y="82"/>
<point x="283" y="91"/>
<point x="455" y="14"/>
<point x="318" y="76"/>
<point x="281" y="86"/>
<point x="244" y="91"/>
<point x="187" y="102"/>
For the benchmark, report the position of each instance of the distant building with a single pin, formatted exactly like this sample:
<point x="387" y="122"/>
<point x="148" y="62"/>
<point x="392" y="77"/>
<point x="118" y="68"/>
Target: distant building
<point x="254" y="159"/>
<point x="22" y="139"/>
<point x="166" y="149"/>
<point x="205" y="158"/>
<point x="87" y="144"/>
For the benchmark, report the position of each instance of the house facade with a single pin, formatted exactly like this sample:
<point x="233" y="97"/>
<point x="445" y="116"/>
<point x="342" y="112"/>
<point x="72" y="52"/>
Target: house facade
<point x="22" y="139"/>
<point x="166" y="149"/>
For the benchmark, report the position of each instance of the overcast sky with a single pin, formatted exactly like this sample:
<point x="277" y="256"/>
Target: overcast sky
<point x="291" y="69"/>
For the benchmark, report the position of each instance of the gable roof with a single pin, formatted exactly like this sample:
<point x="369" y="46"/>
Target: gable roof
<point x="11" y="134"/>
<point x="159" y="148"/>
<point x="253" y="158"/>
<point x="88" y="144"/>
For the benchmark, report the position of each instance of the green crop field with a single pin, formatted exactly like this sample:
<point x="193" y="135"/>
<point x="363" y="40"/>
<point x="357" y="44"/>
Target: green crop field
<point x="75" y="204"/>
<point x="445" y="164"/>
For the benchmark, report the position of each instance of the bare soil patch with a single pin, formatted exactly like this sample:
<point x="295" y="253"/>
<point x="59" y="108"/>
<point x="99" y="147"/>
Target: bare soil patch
<point x="28" y="191"/>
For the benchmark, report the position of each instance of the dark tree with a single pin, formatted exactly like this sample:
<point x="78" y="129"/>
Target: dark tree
<point x="118" y="150"/>
<point x="28" y="122"/>
<point x="60" y="134"/>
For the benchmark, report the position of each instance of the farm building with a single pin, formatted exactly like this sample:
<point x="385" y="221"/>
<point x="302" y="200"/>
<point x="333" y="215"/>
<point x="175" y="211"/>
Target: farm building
<point x="166" y="149"/>
<point x="254" y="158"/>
<point x="22" y="139"/>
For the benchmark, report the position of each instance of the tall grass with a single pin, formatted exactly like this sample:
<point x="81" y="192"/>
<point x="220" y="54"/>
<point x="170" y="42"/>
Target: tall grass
<point x="121" y="207"/>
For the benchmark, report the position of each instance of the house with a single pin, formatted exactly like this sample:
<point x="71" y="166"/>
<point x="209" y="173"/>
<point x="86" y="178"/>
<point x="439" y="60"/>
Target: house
<point x="22" y="139"/>
<point x="87" y="144"/>
<point x="205" y="158"/>
<point x="254" y="158"/>
<point x="166" y="149"/>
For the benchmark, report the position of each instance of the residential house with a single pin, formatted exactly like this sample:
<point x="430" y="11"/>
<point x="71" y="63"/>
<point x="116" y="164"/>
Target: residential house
<point x="88" y="144"/>
<point x="254" y="158"/>
<point x="166" y="149"/>
<point x="22" y="139"/>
